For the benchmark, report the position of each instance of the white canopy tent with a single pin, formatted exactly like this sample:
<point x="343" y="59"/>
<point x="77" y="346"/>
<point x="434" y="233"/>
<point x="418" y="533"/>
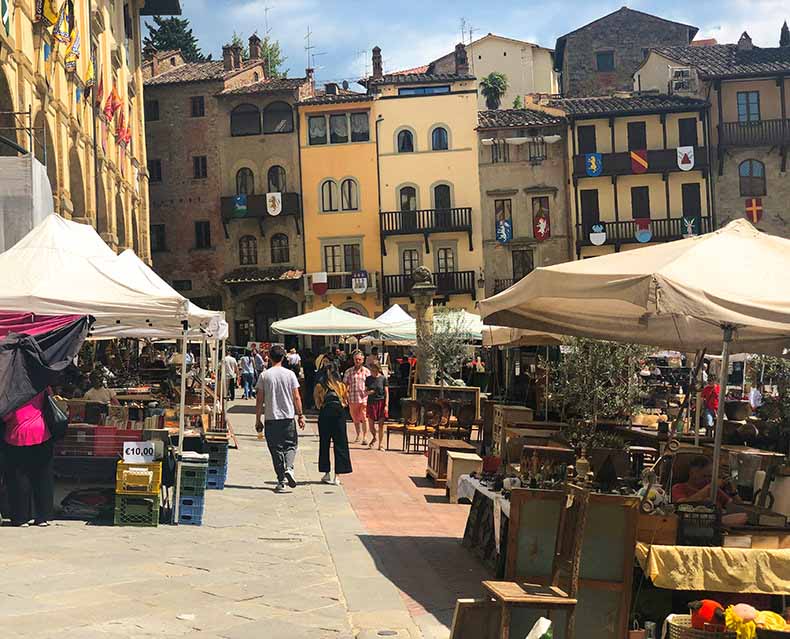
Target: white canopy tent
<point x="406" y="331"/>
<point x="724" y="289"/>
<point x="329" y="321"/>
<point x="394" y="315"/>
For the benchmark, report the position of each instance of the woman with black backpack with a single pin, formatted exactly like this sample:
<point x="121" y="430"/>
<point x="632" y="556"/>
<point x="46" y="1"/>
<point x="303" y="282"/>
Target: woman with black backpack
<point x="331" y="399"/>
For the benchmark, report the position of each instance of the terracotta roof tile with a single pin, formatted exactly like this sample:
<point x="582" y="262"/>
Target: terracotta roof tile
<point x="269" y="85"/>
<point x="725" y="60"/>
<point x="635" y="104"/>
<point x="516" y="118"/>
<point x="196" y="72"/>
<point x="343" y="96"/>
<point x="420" y="69"/>
<point x="415" y="78"/>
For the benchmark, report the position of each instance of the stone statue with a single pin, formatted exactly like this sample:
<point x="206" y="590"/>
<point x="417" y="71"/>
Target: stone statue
<point x="422" y="275"/>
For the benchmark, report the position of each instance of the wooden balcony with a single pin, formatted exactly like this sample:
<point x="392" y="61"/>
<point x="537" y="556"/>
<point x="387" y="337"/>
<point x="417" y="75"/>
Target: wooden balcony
<point x="342" y="281"/>
<point x="759" y="133"/>
<point x="254" y="207"/>
<point x="501" y="285"/>
<point x="659" y="161"/>
<point x="425" y="222"/>
<point x="452" y="283"/>
<point x="624" y="232"/>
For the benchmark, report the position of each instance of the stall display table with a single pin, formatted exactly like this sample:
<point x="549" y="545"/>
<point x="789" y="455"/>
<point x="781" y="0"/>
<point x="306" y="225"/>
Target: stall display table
<point x="437" y="457"/>
<point x="487" y="526"/>
<point x="459" y="463"/>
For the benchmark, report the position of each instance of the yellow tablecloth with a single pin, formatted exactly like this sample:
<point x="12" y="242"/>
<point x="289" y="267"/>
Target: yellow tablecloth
<point x="716" y="569"/>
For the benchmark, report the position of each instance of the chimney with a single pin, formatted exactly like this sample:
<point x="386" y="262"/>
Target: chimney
<point x="784" y="36"/>
<point x="377" y="68"/>
<point x="235" y="50"/>
<point x="255" y="47"/>
<point x="227" y="57"/>
<point x="330" y="88"/>
<point x="149" y="55"/>
<point x="745" y="42"/>
<point x="461" y="61"/>
<point x="310" y="74"/>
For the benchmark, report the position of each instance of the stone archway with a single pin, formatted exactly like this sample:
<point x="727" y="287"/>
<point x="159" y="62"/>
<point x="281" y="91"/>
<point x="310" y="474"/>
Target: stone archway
<point x="7" y="120"/>
<point x="268" y="309"/>
<point x="120" y="222"/>
<point x="77" y="184"/>
<point x="44" y="151"/>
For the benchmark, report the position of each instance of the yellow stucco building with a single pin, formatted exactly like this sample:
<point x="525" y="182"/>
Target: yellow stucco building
<point x="95" y="178"/>
<point x="337" y="147"/>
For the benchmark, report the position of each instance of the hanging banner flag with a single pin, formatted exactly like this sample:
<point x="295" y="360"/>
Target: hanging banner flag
<point x="359" y="282"/>
<point x="6" y="11"/>
<point x="685" y="158"/>
<point x="120" y="128"/>
<point x="64" y="24"/>
<point x="320" y="283"/>
<point x="73" y="52"/>
<point x="541" y="222"/>
<point x="240" y="205"/>
<point x="754" y="209"/>
<point x="643" y="233"/>
<point x="598" y="234"/>
<point x="113" y="104"/>
<point x="99" y="92"/>
<point x="504" y="230"/>
<point x="639" y="161"/>
<point x="274" y="203"/>
<point x="593" y="164"/>
<point x="47" y="12"/>
<point x="690" y="226"/>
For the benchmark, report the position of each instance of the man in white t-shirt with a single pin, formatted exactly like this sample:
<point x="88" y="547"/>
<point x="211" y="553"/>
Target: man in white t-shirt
<point x="231" y="369"/>
<point x="278" y="390"/>
<point x="98" y="392"/>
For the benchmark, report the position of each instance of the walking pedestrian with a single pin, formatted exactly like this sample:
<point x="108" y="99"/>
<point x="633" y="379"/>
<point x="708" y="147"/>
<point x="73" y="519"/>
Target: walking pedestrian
<point x="331" y="399"/>
<point x="278" y="391"/>
<point x="257" y="360"/>
<point x="378" y="391"/>
<point x="247" y="367"/>
<point x="354" y="379"/>
<point x="231" y="369"/>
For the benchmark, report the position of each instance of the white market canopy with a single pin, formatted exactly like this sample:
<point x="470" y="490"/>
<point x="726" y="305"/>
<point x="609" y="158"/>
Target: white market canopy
<point x="394" y="315"/>
<point x="65" y="268"/>
<point x="327" y="321"/>
<point x="406" y="331"/>
<point x="679" y="294"/>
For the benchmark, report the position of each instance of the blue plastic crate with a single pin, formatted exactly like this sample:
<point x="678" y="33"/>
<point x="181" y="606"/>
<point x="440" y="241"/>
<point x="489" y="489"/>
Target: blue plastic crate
<point x="190" y="510"/>
<point x="217" y="477"/>
<point x="217" y="450"/>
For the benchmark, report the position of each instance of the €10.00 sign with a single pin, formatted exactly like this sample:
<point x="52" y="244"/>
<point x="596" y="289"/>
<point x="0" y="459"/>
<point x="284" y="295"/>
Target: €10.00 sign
<point x="138" y="452"/>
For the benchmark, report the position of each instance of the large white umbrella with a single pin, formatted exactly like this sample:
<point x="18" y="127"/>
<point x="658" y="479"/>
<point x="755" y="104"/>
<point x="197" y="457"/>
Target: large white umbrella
<point x="516" y="337"/>
<point x="729" y="288"/>
<point x="327" y="321"/>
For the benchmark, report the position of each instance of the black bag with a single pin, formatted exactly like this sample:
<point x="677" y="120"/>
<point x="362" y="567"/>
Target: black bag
<point x="57" y="421"/>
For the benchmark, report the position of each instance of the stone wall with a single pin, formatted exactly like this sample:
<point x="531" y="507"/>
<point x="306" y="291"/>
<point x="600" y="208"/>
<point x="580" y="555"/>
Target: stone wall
<point x="627" y="33"/>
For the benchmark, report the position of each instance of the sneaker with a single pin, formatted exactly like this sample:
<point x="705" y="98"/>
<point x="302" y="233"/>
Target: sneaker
<point x="327" y="478"/>
<point x="281" y="488"/>
<point x="290" y="478"/>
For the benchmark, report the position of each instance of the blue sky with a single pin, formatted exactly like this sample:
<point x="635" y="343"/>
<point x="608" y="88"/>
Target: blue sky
<point x="412" y="32"/>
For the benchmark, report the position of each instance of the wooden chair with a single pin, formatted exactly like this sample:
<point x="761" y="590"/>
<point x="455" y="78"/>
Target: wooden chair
<point x="431" y="417"/>
<point x="562" y="591"/>
<point x="410" y="416"/>
<point x="445" y="428"/>
<point x="467" y="420"/>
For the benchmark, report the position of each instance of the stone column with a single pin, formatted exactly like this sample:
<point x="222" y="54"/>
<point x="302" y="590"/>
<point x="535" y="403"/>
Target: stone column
<point x="423" y="291"/>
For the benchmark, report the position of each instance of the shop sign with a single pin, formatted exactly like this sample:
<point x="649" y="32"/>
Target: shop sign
<point x="685" y="158"/>
<point x="593" y="164"/>
<point x="138" y="452"/>
<point x="274" y="203"/>
<point x="359" y="282"/>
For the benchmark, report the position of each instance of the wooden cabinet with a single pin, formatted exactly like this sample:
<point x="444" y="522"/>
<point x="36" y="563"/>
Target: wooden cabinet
<point x="460" y="464"/>
<point x="437" y="457"/>
<point x="505" y="416"/>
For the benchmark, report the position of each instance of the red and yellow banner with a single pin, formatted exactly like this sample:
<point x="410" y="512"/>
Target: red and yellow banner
<point x="639" y="161"/>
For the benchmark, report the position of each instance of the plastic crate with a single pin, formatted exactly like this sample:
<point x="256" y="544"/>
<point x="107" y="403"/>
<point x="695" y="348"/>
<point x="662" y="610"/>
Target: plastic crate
<point x="193" y="479"/>
<point x="138" y="479"/>
<point x="217" y="476"/>
<point x="680" y="628"/>
<point x="190" y="510"/>
<point x="217" y="453"/>
<point x="137" y="510"/>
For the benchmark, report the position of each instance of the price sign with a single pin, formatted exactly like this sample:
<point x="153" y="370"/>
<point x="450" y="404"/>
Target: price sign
<point x="138" y="452"/>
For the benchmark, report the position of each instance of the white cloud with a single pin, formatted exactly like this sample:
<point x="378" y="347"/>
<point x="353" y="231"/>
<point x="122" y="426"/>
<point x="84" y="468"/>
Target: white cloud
<point x="762" y="19"/>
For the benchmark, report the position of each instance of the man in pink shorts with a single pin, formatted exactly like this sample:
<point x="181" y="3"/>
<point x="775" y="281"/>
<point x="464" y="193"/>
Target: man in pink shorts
<point x="354" y="379"/>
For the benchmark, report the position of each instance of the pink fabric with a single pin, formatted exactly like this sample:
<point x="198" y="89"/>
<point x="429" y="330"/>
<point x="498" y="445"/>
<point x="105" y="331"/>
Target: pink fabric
<point x="31" y="323"/>
<point x="25" y="426"/>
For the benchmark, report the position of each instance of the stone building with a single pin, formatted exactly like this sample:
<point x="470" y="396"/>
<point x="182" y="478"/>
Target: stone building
<point x="226" y="212"/>
<point x="97" y="171"/>
<point x="529" y="67"/>
<point x="603" y="55"/>
<point x="523" y="193"/>
<point x="748" y="88"/>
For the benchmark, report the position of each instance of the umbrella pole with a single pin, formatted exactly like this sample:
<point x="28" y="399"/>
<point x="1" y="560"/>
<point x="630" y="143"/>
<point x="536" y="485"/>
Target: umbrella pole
<point x="202" y="375"/>
<point x="725" y="364"/>
<point x="181" y="418"/>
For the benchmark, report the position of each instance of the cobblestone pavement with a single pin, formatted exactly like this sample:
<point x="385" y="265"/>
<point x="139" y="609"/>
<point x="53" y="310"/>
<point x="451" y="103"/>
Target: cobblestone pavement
<point x="263" y="565"/>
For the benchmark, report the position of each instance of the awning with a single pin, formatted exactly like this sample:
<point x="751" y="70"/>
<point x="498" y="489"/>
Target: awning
<point x="327" y="321"/>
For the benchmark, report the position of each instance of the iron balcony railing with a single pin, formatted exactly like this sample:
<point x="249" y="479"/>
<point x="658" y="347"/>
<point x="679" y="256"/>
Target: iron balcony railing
<point x="452" y="283"/>
<point x="624" y="231"/>
<point x="426" y="221"/>
<point x="501" y="285"/>
<point x="758" y="133"/>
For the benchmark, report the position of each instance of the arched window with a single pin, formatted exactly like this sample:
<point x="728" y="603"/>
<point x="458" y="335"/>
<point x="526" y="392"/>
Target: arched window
<point x="245" y="119"/>
<point x="439" y="139"/>
<point x="280" y="249"/>
<point x="248" y="251"/>
<point x="276" y="179"/>
<point x="752" y="178"/>
<point x="245" y="181"/>
<point x="405" y="142"/>
<point x="349" y="198"/>
<point x="329" y="196"/>
<point x="441" y="197"/>
<point x="408" y="198"/>
<point x="278" y="118"/>
<point x="255" y="77"/>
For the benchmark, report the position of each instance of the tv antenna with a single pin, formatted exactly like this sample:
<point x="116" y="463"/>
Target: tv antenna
<point x="308" y="47"/>
<point x="266" y="28"/>
<point x="363" y="61"/>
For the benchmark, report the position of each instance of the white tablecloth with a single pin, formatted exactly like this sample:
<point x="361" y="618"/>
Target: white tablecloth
<point x="467" y="487"/>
